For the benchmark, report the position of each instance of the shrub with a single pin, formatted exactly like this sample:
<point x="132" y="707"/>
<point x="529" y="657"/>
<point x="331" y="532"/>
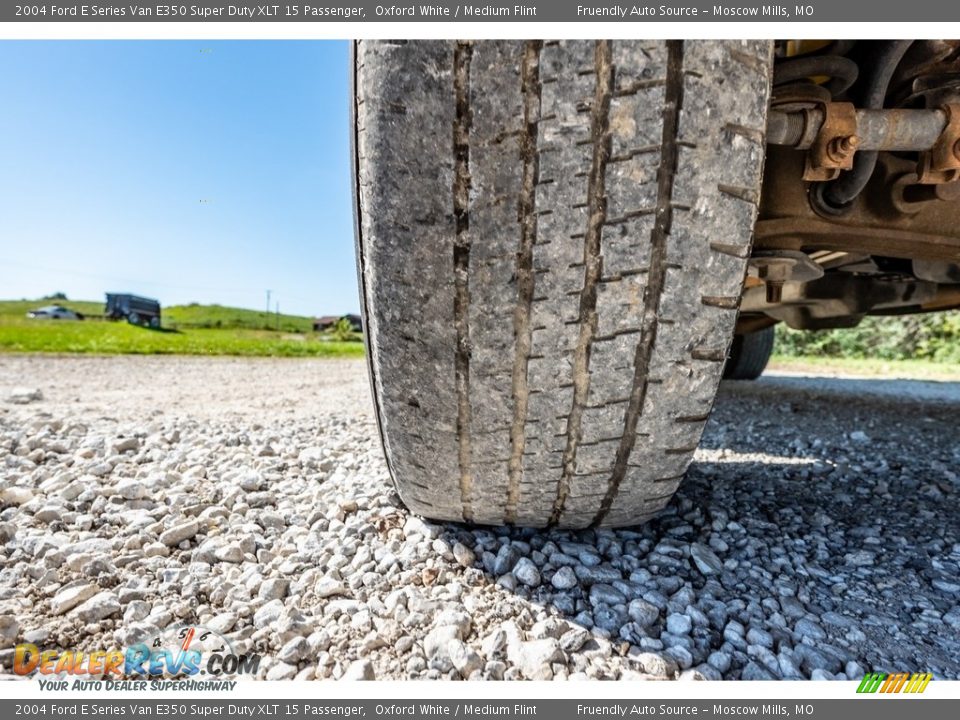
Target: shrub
<point x="931" y="336"/>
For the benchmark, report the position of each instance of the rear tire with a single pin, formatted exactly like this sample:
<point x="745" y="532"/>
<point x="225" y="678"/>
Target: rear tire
<point x="552" y="239"/>
<point x="749" y="355"/>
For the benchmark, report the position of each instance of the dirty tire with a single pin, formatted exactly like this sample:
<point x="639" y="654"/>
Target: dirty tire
<point x="552" y="240"/>
<point x="749" y="355"/>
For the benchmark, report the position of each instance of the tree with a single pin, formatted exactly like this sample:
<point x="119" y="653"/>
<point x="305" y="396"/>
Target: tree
<point x="342" y="330"/>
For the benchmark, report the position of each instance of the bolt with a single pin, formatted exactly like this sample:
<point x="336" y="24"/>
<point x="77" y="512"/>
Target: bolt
<point x="850" y="143"/>
<point x="844" y="146"/>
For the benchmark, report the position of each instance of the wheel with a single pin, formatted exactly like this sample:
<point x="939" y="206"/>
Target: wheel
<point x="133" y="318"/>
<point x="552" y="239"/>
<point x="749" y="355"/>
<point x="154" y="322"/>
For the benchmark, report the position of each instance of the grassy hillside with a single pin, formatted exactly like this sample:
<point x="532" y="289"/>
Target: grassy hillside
<point x="218" y="316"/>
<point x="187" y="329"/>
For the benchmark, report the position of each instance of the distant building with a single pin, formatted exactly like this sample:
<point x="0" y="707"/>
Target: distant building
<point x="325" y="322"/>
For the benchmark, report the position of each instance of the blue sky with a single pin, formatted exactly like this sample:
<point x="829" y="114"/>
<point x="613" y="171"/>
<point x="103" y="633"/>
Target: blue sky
<point x="190" y="171"/>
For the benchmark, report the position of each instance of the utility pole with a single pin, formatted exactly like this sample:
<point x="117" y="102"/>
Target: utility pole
<point x="278" y="315"/>
<point x="266" y="318"/>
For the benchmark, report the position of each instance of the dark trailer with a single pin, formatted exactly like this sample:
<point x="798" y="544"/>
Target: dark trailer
<point x="134" y="309"/>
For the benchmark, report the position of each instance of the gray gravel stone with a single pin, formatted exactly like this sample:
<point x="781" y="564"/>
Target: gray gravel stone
<point x="601" y="593"/>
<point x="526" y="572"/>
<point x="506" y="558"/>
<point x="754" y="671"/>
<point x="756" y="636"/>
<point x="808" y="628"/>
<point x="705" y="559"/>
<point x="678" y="624"/>
<point x="643" y="613"/>
<point x="564" y="579"/>
<point x="720" y="660"/>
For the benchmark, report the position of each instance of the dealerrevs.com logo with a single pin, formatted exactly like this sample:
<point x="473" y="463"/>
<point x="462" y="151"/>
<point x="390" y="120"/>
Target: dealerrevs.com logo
<point x="894" y="683"/>
<point x="175" y="657"/>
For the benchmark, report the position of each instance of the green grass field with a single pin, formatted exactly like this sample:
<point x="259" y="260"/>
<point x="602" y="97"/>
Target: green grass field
<point x="187" y="330"/>
<point x="906" y="369"/>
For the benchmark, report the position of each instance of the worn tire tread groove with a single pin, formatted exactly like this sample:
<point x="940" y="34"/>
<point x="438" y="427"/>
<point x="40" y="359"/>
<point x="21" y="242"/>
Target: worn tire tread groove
<point x="657" y="273"/>
<point x="597" y="215"/>
<point x="523" y="332"/>
<point x="461" y="260"/>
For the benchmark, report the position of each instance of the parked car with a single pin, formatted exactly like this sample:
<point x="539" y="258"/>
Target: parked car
<point x="54" y="312"/>
<point x="134" y="309"/>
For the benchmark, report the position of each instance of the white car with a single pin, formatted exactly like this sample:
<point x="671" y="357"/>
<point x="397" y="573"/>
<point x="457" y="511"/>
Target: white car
<point x="54" y="312"/>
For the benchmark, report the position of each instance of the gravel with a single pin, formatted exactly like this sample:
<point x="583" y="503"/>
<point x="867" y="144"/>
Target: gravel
<point x="815" y="536"/>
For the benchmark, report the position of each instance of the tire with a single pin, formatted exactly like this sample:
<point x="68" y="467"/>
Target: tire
<point x="133" y="318"/>
<point x="155" y="323"/>
<point x="552" y="239"/>
<point x="749" y="355"/>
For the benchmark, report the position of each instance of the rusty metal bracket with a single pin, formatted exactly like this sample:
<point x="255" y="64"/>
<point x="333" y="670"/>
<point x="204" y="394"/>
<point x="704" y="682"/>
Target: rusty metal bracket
<point x="941" y="164"/>
<point x="835" y="144"/>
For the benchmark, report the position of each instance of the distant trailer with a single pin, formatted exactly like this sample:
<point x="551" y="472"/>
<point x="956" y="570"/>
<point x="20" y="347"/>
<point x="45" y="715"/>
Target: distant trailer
<point x="134" y="309"/>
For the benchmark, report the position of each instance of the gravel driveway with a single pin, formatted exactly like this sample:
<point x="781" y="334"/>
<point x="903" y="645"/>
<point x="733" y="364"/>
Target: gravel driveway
<point x="817" y="534"/>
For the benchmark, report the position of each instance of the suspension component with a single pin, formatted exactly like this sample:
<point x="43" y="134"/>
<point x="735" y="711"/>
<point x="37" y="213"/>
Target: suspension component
<point x="942" y="163"/>
<point x="834" y="132"/>
<point x="892" y="130"/>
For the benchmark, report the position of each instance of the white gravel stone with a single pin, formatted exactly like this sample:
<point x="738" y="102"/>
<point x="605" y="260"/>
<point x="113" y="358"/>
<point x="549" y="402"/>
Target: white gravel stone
<point x="122" y="445"/>
<point x="359" y="670"/>
<point x="131" y="489"/>
<point x="328" y="587"/>
<point x="273" y="589"/>
<point x="535" y="657"/>
<point x="295" y="650"/>
<point x="9" y="628"/>
<point x="24" y="395"/>
<point x="180" y="532"/>
<point x="70" y="597"/>
<point x="232" y="553"/>
<point x="463" y="555"/>
<point x="157" y="549"/>
<point x="48" y="514"/>
<point x="16" y="495"/>
<point x="465" y="660"/>
<point x="281" y="671"/>
<point x="100" y="606"/>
